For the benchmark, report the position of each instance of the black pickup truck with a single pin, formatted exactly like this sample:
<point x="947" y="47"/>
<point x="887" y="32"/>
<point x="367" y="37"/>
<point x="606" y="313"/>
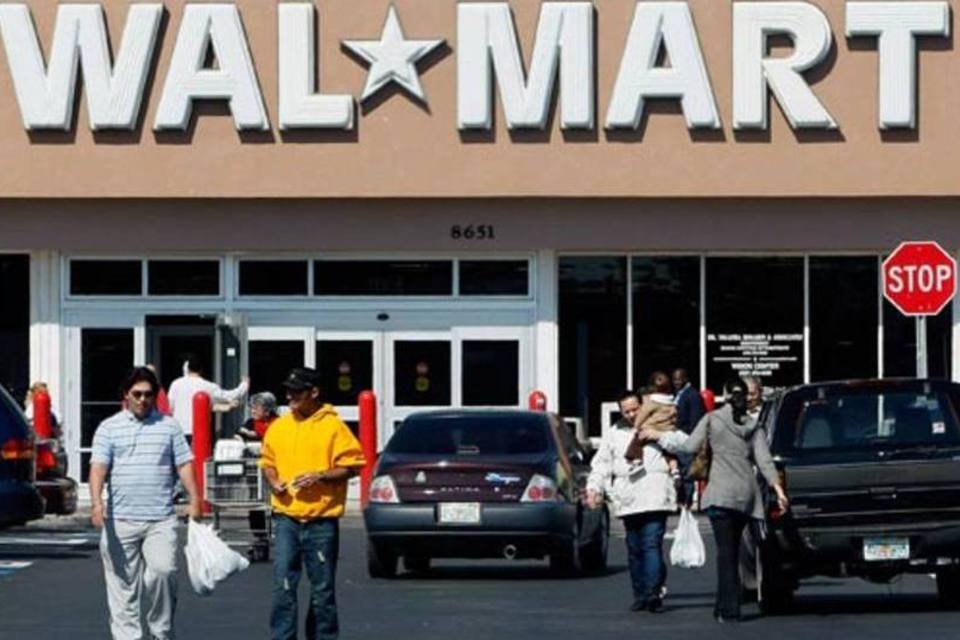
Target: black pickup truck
<point x="872" y="468"/>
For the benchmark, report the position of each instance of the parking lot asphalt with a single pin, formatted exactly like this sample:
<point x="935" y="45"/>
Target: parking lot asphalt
<point x="51" y="588"/>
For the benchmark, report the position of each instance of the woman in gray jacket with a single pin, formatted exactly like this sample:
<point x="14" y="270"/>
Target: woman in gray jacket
<point x="732" y="496"/>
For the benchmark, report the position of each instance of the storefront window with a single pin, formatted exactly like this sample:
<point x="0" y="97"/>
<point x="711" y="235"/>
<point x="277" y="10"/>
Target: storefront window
<point x="273" y="278"/>
<point x="900" y="343"/>
<point x="421" y="375"/>
<point x="106" y="356"/>
<point x="346" y="369"/>
<point x="754" y="320"/>
<point x="183" y="277"/>
<point x="491" y="373"/>
<point x="383" y="277"/>
<point x="270" y="361"/>
<point x="844" y="294"/>
<point x="494" y="277"/>
<point x="593" y="335"/>
<point x="106" y="277"/>
<point x="15" y="324"/>
<point x="666" y="316"/>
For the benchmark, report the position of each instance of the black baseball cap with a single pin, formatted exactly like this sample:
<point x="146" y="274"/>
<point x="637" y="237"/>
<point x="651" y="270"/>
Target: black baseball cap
<point x="301" y="378"/>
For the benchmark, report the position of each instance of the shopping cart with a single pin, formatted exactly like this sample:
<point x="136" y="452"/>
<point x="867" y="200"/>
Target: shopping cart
<point x="236" y="485"/>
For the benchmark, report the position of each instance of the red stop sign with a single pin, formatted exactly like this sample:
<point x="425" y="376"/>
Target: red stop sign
<point x="919" y="278"/>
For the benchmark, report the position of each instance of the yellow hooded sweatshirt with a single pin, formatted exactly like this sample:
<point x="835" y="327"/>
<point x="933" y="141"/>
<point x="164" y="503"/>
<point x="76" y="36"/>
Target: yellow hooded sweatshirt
<point x="296" y="446"/>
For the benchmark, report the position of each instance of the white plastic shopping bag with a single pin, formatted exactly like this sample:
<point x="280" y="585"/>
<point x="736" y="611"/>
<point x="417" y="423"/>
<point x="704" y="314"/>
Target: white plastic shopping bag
<point x="687" y="550"/>
<point x="209" y="559"/>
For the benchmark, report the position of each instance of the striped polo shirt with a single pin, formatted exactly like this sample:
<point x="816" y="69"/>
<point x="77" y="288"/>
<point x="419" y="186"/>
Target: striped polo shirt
<point x="142" y="457"/>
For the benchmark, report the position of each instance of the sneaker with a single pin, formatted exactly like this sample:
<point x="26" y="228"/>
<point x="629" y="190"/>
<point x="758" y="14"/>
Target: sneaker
<point x="655" y="605"/>
<point x="663" y="592"/>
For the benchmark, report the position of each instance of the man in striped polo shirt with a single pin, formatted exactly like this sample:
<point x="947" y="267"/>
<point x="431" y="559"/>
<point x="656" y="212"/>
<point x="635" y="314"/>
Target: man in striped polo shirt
<point x="142" y="452"/>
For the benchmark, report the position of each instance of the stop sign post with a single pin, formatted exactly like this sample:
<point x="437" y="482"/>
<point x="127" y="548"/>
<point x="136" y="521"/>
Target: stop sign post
<point x="920" y="279"/>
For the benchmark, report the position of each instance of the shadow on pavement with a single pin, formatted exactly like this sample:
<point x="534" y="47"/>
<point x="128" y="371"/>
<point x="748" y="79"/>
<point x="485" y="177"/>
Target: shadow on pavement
<point x="501" y="572"/>
<point x="843" y="604"/>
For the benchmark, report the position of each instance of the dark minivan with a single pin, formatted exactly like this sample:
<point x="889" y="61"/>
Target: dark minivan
<point x="19" y="499"/>
<point x="483" y="484"/>
<point x="872" y="468"/>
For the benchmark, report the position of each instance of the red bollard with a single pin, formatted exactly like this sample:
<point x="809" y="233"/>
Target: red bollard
<point x="537" y="400"/>
<point x="42" y="415"/>
<point x="202" y="439"/>
<point x="709" y="400"/>
<point x="367" y="402"/>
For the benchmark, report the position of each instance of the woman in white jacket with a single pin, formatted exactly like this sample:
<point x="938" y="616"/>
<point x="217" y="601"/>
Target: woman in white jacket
<point x="642" y="493"/>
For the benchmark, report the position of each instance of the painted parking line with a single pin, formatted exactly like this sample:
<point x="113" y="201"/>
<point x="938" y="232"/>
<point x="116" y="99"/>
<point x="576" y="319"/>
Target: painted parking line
<point x="27" y="541"/>
<point x="10" y="567"/>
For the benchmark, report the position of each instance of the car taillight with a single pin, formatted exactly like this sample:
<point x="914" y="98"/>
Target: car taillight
<point x="540" y="489"/>
<point x="16" y="449"/>
<point x="382" y="489"/>
<point x="46" y="459"/>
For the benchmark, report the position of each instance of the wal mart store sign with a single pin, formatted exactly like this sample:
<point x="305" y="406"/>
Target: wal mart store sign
<point x="488" y="59"/>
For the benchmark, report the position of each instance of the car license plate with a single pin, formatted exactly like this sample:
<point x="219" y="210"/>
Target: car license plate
<point x="230" y="470"/>
<point x="459" y="513"/>
<point x="879" y="549"/>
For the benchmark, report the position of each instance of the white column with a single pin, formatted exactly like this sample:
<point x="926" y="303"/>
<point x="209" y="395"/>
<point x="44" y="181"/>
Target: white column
<point x="955" y="346"/>
<point x="806" y="319"/>
<point x="546" y="340"/>
<point x="45" y="323"/>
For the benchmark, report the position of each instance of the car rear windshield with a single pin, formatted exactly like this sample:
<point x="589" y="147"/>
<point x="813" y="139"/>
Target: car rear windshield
<point x="471" y="435"/>
<point x="11" y="420"/>
<point x="870" y="418"/>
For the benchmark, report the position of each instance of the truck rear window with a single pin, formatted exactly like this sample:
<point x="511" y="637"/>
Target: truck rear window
<point x="467" y="435"/>
<point x="869" y="419"/>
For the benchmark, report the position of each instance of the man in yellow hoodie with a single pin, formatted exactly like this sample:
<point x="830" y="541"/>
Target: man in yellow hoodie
<point x="307" y="457"/>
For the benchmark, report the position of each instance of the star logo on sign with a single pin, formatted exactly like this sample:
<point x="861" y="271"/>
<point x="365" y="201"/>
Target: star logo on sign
<point x="392" y="58"/>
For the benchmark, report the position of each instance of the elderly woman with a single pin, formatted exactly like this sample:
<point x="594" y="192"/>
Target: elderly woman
<point x="263" y="411"/>
<point x="732" y="497"/>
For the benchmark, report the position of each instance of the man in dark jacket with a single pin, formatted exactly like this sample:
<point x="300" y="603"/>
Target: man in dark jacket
<point x="689" y="411"/>
<point x="689" y="404"/>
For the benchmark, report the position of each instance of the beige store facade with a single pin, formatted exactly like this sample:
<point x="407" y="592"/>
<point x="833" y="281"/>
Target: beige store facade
<point x="582" y="194"/>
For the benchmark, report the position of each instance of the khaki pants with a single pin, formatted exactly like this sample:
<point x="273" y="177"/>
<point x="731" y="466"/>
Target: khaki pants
<point x="140" y="564"/>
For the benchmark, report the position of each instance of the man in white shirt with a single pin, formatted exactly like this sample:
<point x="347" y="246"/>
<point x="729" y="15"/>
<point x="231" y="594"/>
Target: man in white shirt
<point x="182" y="390"/>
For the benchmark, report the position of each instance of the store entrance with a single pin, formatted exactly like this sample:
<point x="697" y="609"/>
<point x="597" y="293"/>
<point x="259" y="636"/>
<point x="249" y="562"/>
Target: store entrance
<point x="409" y="371"/>
<point x="173" y="339"/>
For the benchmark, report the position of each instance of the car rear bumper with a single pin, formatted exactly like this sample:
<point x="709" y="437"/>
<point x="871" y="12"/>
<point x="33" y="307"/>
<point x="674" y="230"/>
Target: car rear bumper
<point x="534" y="530"/>
<point x="930" y="544"/>
<point x="60" y="495"/>
<point x="19" y="502"/>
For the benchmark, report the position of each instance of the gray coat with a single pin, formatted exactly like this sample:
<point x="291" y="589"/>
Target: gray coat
<point x="736" y="449"/>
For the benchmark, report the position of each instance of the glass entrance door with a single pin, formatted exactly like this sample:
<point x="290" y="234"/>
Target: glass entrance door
<point x="424" y="370"/>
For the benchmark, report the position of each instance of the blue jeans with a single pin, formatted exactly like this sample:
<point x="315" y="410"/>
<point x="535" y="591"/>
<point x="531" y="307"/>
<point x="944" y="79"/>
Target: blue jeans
<point x="648" y="571"/>
<point x="316" y="544"/>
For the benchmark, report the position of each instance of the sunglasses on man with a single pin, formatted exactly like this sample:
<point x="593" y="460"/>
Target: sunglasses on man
<point x="142" y="395"/>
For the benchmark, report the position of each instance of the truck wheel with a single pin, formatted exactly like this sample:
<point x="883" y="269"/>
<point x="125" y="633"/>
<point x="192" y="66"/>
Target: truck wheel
<point x="416" y="564"/>
<point x="381" y="562"/>
<point x="594" y="554"/>
<point x="948" y="588"/>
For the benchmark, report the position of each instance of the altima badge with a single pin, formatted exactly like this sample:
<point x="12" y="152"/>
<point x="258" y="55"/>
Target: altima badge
<point x="497" y="478"/>
<point x="420" y="478"/>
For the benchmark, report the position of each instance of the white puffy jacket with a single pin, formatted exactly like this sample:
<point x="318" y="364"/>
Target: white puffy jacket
<point x="632" y="487"/>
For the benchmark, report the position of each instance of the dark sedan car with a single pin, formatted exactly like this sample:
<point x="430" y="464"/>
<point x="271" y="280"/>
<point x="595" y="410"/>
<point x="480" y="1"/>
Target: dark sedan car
<point x="483" y="484"/>
<point x="19" y="499"/>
